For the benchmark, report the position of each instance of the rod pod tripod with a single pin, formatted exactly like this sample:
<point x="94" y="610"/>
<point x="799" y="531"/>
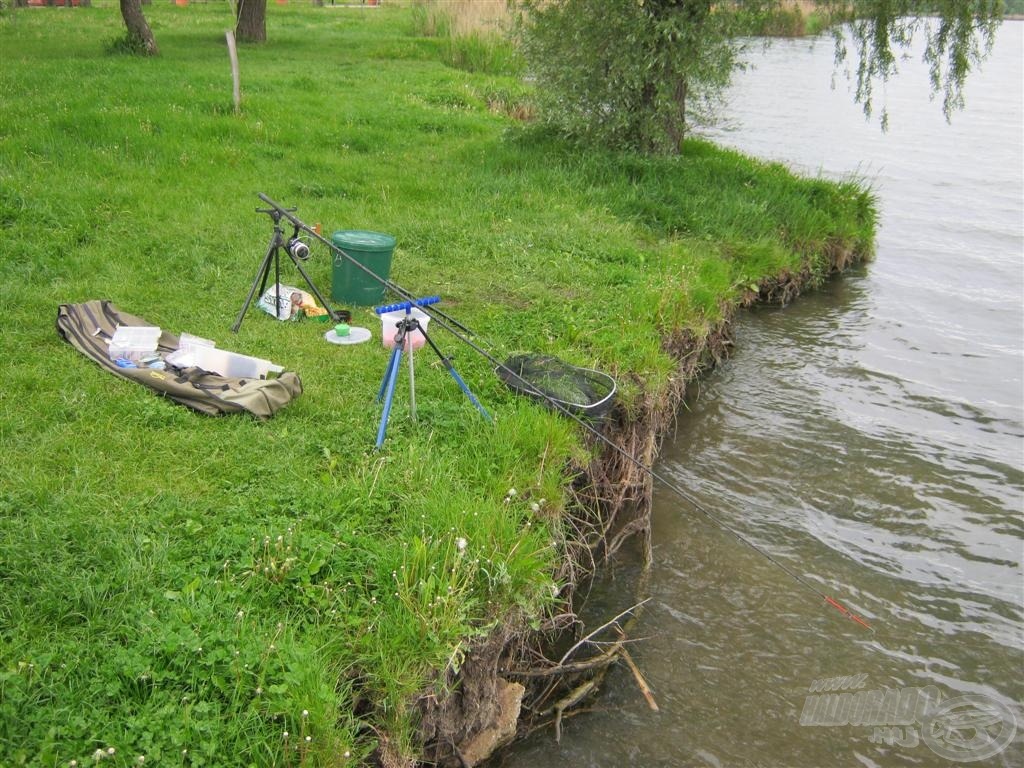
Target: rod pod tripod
<point x="450" y="324"/>
<point x="406" y="326"/>
<point x="296" y="250"/>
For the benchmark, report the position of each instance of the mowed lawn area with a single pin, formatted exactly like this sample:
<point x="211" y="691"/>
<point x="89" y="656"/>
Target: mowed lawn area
<point x="227" y="592"/>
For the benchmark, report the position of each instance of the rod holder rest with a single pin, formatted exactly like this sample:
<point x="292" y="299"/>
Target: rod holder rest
<point x="426" y="301"/>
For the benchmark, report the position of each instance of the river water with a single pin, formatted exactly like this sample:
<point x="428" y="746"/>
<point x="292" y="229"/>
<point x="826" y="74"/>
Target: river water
<point x="871" y="438"/>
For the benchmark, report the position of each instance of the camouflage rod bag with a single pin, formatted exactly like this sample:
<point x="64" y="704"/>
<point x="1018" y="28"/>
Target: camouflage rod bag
<point x="89" y="326"/>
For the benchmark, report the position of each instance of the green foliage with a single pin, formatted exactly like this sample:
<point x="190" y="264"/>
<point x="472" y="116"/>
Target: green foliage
<point x="957" y="36"/>
<point x="126" y="45"/>
<point x="787" y="22"/>
<point x="486" y="53"/>
<point x="472" y="51"/>
<point x="428" y="20"/>
<point x="173" y="582"/>
<point x="632" y="74"/>
<point x="636" y="73"/>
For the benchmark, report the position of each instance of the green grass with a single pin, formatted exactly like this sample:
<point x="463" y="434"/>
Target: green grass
<point x="189" y="588"/>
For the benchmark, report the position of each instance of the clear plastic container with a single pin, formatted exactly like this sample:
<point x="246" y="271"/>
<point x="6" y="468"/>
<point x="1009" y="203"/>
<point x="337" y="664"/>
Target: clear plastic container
<point x="188" y="341"/>
<point x="389" y="327"/>
<point x="225" y="363"/>
<point x="133" y="342"/>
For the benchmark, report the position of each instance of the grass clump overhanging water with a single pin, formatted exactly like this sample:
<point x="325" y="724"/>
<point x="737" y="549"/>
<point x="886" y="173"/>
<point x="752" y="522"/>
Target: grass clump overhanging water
<point x="200" y="591"/>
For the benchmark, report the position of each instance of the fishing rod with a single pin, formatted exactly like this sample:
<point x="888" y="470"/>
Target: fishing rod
<point x="449" y="324"/>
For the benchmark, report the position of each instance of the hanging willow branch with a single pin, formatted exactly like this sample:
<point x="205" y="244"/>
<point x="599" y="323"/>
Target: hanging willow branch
<point x="957" y="34"/>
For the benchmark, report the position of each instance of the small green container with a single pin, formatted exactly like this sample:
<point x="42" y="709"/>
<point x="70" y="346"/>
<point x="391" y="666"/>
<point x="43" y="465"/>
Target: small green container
<point x="350" y="284"/>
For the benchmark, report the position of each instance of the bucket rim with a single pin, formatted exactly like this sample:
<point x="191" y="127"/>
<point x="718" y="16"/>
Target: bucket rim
<point x="363" y="239"/>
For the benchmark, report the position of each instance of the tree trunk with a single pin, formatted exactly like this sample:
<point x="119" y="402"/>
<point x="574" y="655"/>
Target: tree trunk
<point x="138" y="28"/>
<point x="251" y="25"/>
<point x="676" y="128"/>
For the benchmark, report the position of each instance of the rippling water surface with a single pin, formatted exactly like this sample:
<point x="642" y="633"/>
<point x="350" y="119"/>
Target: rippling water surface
<point x="870" y="437"/>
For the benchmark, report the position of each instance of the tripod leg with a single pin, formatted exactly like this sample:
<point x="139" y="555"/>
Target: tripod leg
<point x="261" y="275"/>
<point x="464" y="388"/>
<point x="387" y="375"/>
<point x="389" y="398"/>
<point x="458" y="379"/>
<point x="266" y="272"/>
<point x="412" y="385"/>
<point x="316" y="293"/>
<point x="277" y="283"/>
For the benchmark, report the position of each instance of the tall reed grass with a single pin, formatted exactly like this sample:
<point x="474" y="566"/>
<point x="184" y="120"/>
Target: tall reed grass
<point x="462" y="17"/>
<point x="475" y="33"/>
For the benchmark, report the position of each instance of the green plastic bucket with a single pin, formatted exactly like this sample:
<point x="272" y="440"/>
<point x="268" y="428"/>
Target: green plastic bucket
<point x="350" y="284"/>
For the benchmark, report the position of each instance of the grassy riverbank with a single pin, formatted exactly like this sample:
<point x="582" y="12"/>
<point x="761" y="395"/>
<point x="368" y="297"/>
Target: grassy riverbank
<point x="207" y="591"/>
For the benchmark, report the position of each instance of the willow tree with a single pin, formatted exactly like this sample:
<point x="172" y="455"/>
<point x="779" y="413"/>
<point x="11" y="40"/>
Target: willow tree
<point x="957" y="34"/>
<point x="637" y="73"/>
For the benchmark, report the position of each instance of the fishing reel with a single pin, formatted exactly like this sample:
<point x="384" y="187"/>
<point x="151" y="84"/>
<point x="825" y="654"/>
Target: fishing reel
<point x="298" y="247"/>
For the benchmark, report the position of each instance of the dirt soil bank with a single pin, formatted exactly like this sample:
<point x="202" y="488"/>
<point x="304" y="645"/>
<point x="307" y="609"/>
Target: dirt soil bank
<point x="507" y="686"/>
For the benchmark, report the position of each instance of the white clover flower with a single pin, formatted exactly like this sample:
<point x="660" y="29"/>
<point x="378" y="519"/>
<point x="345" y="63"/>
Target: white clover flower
<point x="111" y="750"/>
<point x="535" y="507"/>
<point x="286" y="734"/>
<point x="461" y="544"/>
<point x="305" y="713"/>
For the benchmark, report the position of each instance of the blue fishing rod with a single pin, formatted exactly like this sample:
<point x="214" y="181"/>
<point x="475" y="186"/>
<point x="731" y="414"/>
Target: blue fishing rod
<point x="450" y="325"/>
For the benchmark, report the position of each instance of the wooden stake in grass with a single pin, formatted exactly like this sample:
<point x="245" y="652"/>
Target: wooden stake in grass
<point x="233" y="54"/>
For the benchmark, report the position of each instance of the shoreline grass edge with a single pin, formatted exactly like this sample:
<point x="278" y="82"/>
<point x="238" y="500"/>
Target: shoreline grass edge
<point x="191" y="590"/>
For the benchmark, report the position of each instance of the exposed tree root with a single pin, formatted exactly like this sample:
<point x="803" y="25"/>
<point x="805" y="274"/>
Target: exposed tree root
<point x="645" y="689"/>
<point x="612" y="498"/>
